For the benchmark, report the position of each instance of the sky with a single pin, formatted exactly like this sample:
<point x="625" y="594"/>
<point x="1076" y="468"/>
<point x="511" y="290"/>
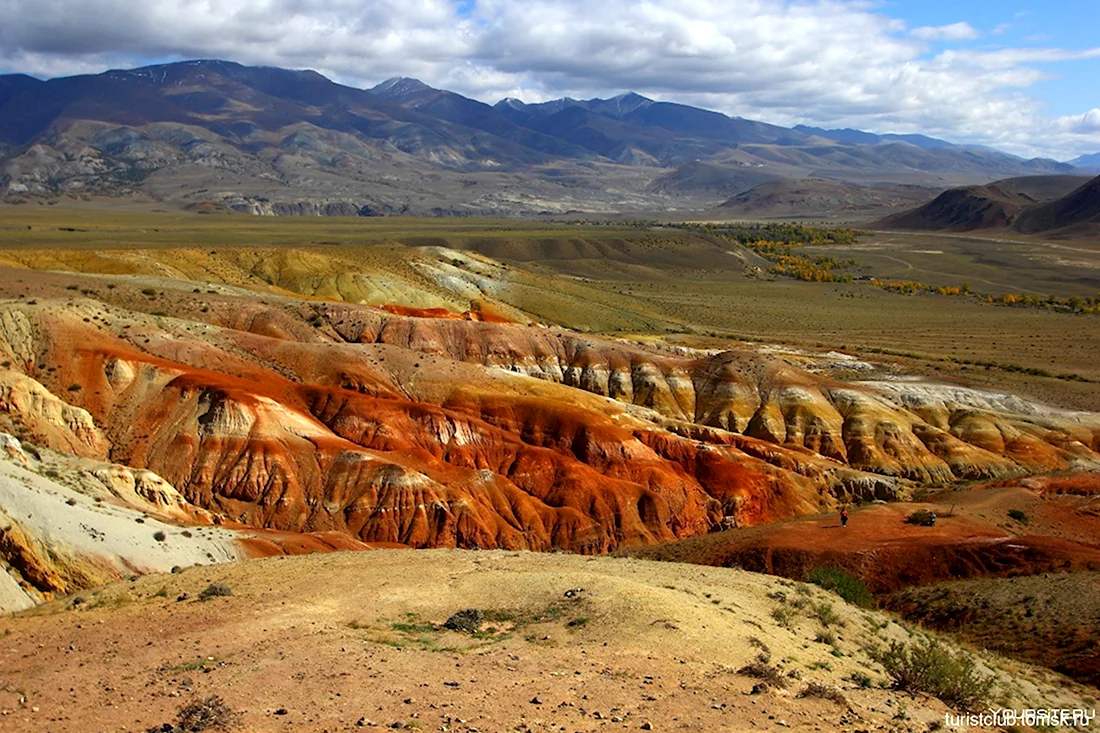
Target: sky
<point x="1020" y="76"/>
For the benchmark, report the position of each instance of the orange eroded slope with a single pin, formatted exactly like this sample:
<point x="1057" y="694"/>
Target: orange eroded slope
<point x="328" y="417"/>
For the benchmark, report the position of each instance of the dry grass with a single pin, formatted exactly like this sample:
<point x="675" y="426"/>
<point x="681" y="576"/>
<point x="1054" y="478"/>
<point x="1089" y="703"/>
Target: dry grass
<point x="824" y="692"/>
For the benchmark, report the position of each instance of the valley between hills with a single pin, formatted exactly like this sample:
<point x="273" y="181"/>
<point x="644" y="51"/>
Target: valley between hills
<point x="187" y="401"/>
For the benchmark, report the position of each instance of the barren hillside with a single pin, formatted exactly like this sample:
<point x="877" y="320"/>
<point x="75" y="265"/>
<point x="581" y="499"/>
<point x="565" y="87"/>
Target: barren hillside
<point x="361" y="641"/>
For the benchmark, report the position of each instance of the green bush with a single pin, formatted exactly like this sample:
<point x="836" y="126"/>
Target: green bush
<point x="827" y="616"/>
<point x="928" y="666"/>
<point x="861" y="680"/>
<point x="844" y="584"/>
<point x="783" y="616"/>
<point x="922" y="517"/>
<point x="1019" y="515"/>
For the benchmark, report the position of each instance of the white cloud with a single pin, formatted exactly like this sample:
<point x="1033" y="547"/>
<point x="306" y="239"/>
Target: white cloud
<point x="1086" y="124"/>
<point x="824" y="62"/>
<point x="954" y="32"/>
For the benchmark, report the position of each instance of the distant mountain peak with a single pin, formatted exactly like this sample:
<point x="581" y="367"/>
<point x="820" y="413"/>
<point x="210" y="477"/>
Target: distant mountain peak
<point x="629" y="102"/>
<point x="631" y="98"/>
<point x="511" y="102"/>
<point x="400" y="87"/>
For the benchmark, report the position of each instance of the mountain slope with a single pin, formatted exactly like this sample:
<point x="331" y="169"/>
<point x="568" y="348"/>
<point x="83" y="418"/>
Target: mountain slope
<point x="1079" y="210"/>
<point x="809" y="197"/>
<point x="962" y="210"/>
<point x="1028" y="204"/>
<point x="461" y="110"/>
<point x="710" y="179"/>
<point x="1087" y="162"/>
<point x="1041" y="189"/>
<point x="858" y="137"/>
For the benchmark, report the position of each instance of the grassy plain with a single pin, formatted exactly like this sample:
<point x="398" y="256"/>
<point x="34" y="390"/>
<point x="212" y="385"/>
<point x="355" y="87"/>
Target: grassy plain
<point x="990" y="263"/>
<point x="688" y="287"/>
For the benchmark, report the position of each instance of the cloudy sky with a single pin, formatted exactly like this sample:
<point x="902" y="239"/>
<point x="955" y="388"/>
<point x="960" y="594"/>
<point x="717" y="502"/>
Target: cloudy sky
<point x="1020" y="75"/>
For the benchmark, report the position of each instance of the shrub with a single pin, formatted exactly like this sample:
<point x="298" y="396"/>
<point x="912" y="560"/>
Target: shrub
<point x="149" y="291"/>
<point x="783" y="615"/>
<point x="827" y="616"/>
<point x="766" y="672"/>
<point x="860" y="679"/>
<point x="930" y="667"/>
<point x="209" y="713"/>
<point x="844" y="584"/>
<point x="466" y="621"/>
<point x="214" y="590"/>
<point x="825" y="637"/>
<point x="1019" y="515"/>
<point x="922" y="517"/>
<point x="160" y="536"/>
<point x="756" y="642"/>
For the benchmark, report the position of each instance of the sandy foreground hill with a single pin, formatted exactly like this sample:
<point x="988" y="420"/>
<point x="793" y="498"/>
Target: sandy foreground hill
<point x="352" y="641"/>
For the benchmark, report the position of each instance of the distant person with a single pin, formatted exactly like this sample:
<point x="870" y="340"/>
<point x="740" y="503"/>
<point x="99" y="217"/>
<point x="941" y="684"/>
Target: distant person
<point x="843" y="517"/>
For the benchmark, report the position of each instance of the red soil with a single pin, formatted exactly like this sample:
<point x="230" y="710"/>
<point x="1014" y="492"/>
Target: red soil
<point x="886" y="552"/>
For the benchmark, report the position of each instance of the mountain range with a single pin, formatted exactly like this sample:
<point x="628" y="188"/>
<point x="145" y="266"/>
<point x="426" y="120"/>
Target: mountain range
<point x="216" y="135"/>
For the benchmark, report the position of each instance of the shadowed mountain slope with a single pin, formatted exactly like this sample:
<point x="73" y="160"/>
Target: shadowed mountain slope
<point x="1028" y="204"/>
<point x="1079" y="210"/>
<point x="964" y="209"/>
